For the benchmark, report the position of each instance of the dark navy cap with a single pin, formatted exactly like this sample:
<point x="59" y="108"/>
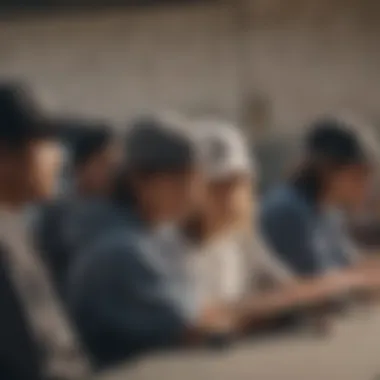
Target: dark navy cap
<point x="20" y="117"/>
<point x="335" y="141"/>
<point x="158" y="144"/>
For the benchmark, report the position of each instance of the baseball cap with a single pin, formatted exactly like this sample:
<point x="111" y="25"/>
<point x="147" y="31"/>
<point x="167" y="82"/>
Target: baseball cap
<point x="158" y="144"/>
<point x="20" y="117"/>
<point x="224" y="150"/>
<point x="336" y="141"/>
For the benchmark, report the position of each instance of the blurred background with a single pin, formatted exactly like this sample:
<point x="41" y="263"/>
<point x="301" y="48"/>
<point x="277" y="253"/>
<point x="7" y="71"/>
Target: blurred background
<point x="268" y="64"/>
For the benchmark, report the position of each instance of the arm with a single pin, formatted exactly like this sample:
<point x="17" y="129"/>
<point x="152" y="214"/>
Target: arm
<point x="304" y="294"/>
<point x="355" y="262"/>
<point x="137" y="302"/>
<point x="269" y="265"/>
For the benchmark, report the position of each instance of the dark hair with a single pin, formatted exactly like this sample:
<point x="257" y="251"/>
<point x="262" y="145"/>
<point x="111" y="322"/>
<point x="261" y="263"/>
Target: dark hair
<point x="330" y="146"/>
<point x="336" y="141"/>
<point x="90" y="142"/>
<point x="122" y="191"/>
<point x="308" y="179"/>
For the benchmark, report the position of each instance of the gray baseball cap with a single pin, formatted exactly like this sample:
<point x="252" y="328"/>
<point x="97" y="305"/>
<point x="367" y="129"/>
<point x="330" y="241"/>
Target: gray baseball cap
<point x="160" y="144"/>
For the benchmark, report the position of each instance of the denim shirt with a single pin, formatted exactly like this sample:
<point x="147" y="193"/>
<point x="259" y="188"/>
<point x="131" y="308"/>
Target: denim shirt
<point x="309" y="241"/>
<point x="128" y="290"/>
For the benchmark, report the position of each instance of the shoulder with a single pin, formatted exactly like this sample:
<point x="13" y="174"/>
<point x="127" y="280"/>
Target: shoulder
<point x="88" y="209"/>
<point x="116" y="247"/>
<point x="119" y="256"/>
<point x="85" y="220"/>
<point x="283" y="202"/>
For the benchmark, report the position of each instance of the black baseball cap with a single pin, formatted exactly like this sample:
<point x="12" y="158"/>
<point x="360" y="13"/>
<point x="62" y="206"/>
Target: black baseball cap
<point x="92" y="139"/>
<point x="21" y="119"/>
<point x="335" y="141"/>
<point x="155" y="144"/>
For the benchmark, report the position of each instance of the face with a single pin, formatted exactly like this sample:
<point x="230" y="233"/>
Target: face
<point x="30" y="172"/>
<point x="174" y="196"/>
<point x="229" y="200"/>
<point x="352" y="185"/>
<point x="95" y="175"/>
<point x="43" y="161"/>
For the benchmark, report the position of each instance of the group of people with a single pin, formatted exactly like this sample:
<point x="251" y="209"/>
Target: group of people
<point x="157" y="239"/>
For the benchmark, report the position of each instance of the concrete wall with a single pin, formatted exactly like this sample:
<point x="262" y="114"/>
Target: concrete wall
<point x="116" y="63"/>
<point x="312" y="57"/>
<point x="301" y="57"/>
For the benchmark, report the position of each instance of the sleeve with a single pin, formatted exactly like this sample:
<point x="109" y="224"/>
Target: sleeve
<point x="45" y="223"/>
<point x="287" y="231"/>
<point x="350" y="252"/>
<point x="268" y="263"/>
<point x="135" y="298"/>
<point x="49" y="241"/>
<point x="19" y="356"/>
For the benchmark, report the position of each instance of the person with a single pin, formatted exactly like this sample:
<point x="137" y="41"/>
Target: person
<point x="36" y="338"/>
<point x="91" y="164"/>
<point x="127" y="289"/>
<point x="93" y="161"/>
<point x="302" y="219"/>
<point x="227" y="256"/>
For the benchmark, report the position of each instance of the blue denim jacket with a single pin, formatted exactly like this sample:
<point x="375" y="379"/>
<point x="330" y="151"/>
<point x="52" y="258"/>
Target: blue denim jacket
<point x="127" y="290"/>
<point x="309" y="241"/>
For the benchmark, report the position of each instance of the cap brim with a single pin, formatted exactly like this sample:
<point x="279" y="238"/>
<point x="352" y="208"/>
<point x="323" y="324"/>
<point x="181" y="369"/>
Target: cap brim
<point x="228" y="171"/>
<point x="55" y="129"/>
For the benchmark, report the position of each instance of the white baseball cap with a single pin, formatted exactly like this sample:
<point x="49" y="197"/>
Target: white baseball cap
<point x="224" y="150"/>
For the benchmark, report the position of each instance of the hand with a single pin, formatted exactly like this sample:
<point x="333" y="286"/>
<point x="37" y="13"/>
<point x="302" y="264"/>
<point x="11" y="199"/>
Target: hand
<point x="217" y="319"/>
<point x="326" y="287"/>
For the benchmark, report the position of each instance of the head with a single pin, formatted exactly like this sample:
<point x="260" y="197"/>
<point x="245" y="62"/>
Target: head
<point x="228" y="170"/>
<point x="93" y="161"/>
<point x="30" y="157"/>
<point x="160" y="176"/>
<point x="337" y="169"/>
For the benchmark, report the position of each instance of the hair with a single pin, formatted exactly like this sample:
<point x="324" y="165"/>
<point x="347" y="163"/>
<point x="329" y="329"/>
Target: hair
<point x="312" y="175"/>
<point x="247" y="220"/>
<point x="122" y="190"/>
<point x="89" y="144"/>
<point x="308" y="178"/>
<point x="331" y="144"/>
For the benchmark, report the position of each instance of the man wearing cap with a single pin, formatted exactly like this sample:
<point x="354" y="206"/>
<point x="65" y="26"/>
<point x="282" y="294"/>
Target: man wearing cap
<point x="301" y="219"/>
<point x="128" y="289"/>
<point x="36" y="339"/>
<point x="59" y="228"/>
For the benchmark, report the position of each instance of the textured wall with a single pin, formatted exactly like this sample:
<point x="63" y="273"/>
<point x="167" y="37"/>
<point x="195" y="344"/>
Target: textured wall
<point x="117" y="63"/>
<point x="303" y="57"/>
<point x="312" y="57"/>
